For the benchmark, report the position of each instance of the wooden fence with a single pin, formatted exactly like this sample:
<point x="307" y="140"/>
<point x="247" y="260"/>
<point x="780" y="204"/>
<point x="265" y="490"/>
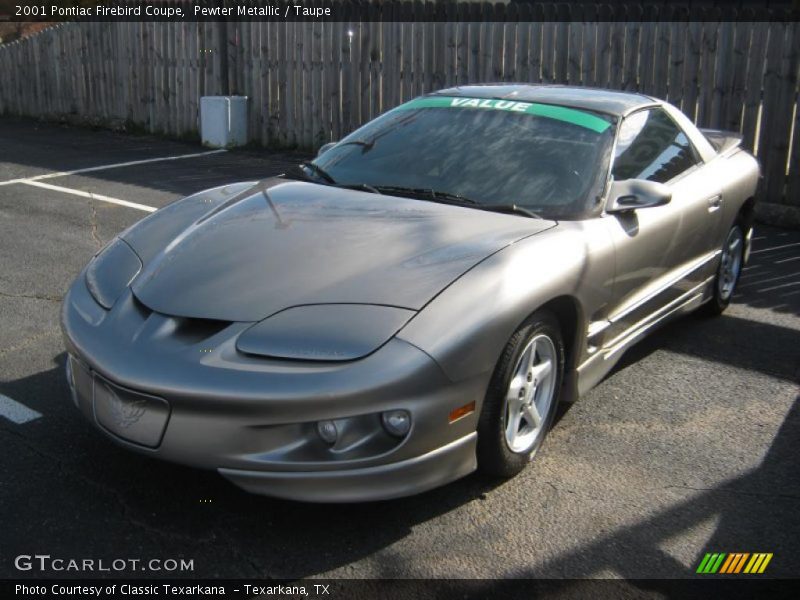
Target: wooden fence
<point x="311" y="82"/>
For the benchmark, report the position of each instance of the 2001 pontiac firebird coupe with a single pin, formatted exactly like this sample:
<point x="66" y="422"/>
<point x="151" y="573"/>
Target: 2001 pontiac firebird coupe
<point x="413" y="304"/>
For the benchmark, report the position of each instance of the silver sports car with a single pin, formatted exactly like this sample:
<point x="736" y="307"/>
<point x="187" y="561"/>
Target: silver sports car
<point x="413" y="304"/>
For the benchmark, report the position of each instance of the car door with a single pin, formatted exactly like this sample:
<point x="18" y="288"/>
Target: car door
<point x="663" y="253"/>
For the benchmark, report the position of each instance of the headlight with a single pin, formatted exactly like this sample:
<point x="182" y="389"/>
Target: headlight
<point x="111" y="271"/>
<point x="330" y="332"/>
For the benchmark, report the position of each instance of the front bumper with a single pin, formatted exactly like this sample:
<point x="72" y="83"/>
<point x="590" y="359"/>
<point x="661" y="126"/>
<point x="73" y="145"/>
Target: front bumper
<point x="199" y="402"/>
<point x="383" y="482"/>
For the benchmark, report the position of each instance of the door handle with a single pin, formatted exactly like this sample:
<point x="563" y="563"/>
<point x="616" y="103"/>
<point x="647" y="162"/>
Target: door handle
<point x="714" y="203"/>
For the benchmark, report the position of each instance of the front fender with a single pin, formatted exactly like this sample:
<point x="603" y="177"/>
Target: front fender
<point x="466" y="327"/>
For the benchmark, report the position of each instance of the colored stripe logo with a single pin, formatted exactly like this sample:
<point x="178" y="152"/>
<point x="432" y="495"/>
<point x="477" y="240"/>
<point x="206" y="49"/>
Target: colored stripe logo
<point x="734" y="563"/>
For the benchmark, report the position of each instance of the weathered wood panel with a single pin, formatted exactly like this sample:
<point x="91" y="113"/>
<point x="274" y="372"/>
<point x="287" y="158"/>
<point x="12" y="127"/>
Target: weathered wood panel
<point x="309" y="83"/>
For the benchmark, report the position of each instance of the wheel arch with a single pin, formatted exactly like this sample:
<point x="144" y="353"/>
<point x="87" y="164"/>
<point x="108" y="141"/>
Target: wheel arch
<point x="570" y="318"/>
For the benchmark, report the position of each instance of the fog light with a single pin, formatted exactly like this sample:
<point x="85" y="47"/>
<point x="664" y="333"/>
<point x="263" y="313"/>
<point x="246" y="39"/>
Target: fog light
<point x="327" y="431"/>
<point x="396" y="422"/>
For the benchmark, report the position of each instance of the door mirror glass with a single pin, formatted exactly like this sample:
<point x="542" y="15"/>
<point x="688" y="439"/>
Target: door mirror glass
<point x="633" y="194"/>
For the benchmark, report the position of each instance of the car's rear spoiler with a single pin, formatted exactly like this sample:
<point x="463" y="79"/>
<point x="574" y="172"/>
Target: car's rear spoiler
<point x="724" y="142"/>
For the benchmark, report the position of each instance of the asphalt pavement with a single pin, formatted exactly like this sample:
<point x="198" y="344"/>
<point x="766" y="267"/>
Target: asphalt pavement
<point x="689" y="446"/>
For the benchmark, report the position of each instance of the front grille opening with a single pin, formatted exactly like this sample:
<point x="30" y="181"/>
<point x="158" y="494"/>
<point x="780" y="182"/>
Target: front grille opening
<point x="192" y="331"/>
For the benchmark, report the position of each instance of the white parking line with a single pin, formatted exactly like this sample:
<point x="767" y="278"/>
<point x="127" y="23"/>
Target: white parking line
<point x="131" y="163"/>
<point x="16" y="412"/>
<point x="775" y="248"/>
<point x="90" y="195"/>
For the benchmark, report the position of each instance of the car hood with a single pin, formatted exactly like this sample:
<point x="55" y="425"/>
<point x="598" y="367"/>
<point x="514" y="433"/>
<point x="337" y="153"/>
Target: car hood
<point x="279" y="244"/>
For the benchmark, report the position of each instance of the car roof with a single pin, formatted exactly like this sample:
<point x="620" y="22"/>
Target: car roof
<point x="610" y="102"/>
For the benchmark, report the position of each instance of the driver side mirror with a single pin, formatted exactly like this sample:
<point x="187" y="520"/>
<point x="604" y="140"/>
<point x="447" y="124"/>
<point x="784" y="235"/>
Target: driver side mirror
<point x="632" y="194"/>
<point x="325" y="147"/>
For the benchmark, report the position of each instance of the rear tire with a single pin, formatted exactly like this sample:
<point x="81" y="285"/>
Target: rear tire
<point x="730" y="268"/>
<point x="522" y="398"/>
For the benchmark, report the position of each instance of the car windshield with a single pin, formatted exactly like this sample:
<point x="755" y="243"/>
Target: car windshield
<point x="550" y="160"/>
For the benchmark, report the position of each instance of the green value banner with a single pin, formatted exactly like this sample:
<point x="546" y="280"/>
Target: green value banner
<point x="560" y="113"/>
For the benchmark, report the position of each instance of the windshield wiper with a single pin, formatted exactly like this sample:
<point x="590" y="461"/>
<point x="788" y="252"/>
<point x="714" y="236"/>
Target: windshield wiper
<point x="458" y="199"/>
<point x="428" y="194"/>
<point x="319" y="171"/>
<point x="511" y="209"/>
<point x="361" y="187"/>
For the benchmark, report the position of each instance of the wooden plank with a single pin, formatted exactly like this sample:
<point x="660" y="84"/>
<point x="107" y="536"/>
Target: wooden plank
<point x="535" y="50"/>
<point x="272" y="123"/>
<point x="386" y="54"/>
<point x="510" y="44"/>
<point x="319" y="123"/>
<point x="691" y="67"/>
<point x="576" y="33"/>
<point x="241" y="65"/>
<point x="172" y="79"/>
<point x="308" y="87"/>
<point x="723" y="70"/>
<point x="290" y="89"/>
<point x="560" y="71"/>
<point x="347" y="74"/>
<point x="326" y="79"/>
<point x="450" y="43"/>
<point x="548" y="44"/>
<point x="498" y="45"/>
<point x="396" y="87"/>
<point x="603" y="62"/>
<point x="195" y="71"/>
<point x="779" y="113"/>
<point x="630" y="59"/>
<point x="618" y="31"/>
<point x="731" y="118"/>
<point x="588" y="47"/>
<point x="485" y="57"/>
<point x="259" y="80"/>
<point x="677" y="57"/>
<point x="416" y="50"/>
<point x="754" y="80"/>
<point x="428" y="50"/>
<point x="165" y="117"/>
<point x="407" y="74"/>
<point x="439" y="48"/>
<point x="522" y="66"/>
<point x="462" y="44"/>
<point x="646" y="68"/>
<point x="661" y="52"/>
<point x="372" y="54"/>
<point x="359" y="33"/>
<point x="475" y="36"/>
<point x="708" y="49"/>
<point x="335" y="79"/>
<point x="231" y="50"/>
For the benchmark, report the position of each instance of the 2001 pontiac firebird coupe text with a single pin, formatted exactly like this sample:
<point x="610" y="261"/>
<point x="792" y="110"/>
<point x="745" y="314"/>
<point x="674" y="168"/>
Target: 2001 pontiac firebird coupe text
<point x="413" y="304"/>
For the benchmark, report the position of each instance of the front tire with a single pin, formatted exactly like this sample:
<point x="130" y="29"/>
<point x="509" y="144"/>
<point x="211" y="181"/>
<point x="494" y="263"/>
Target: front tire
<point x="730" y="268"/>
<point x="522" y="398"/>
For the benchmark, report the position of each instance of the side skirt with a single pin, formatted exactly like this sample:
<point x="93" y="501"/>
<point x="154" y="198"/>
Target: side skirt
<point x="592" y="371"/>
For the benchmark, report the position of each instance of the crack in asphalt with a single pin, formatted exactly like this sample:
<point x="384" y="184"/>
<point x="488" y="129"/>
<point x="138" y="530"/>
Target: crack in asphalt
<point x="30" y="340"/>
<point x="93" y="224"/>
<point x="46" y="297"/>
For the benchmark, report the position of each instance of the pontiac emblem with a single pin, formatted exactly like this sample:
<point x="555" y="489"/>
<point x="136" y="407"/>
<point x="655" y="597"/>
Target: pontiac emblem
<point x="124" y="412"/>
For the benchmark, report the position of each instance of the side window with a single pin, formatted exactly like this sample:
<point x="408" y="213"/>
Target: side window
<point x="651" y="146"/>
